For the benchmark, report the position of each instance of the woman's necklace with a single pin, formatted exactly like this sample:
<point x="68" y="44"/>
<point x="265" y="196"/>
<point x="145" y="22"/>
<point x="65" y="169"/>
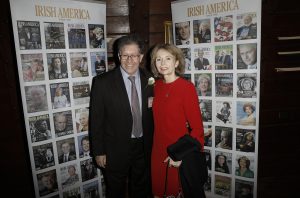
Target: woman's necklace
<point x="169" y="87"/>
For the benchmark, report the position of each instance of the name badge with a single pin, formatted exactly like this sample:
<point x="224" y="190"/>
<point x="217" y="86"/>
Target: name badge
<point x="150" y="101"/>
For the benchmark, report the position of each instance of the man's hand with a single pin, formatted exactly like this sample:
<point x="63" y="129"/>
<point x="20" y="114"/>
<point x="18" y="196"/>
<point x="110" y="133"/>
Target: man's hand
<point x="101" y="160"/>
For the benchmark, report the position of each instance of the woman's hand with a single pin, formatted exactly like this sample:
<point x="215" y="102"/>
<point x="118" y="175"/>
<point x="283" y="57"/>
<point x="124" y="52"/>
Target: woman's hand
<point x="172" y="163"/>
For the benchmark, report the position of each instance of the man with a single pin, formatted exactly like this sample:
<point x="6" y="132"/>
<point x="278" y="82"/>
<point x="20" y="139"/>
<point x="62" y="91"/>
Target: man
<point x="85" y="145"/>
<point x="183" y="33"/>
<point x="248" y="30"/>
<point x="67" y="154"/>
<point x="225" y="61"/>
<point x="201" y="63"/>
<point x="115" y="142"/>
<point x="83" y="122"/>
<point x="248" y="55"/>
<point x="60" y="122"/>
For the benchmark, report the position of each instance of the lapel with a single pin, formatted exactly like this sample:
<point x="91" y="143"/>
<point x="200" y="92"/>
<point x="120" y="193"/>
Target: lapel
<point x="144" y="87"/>
<point x="120" y="93"/>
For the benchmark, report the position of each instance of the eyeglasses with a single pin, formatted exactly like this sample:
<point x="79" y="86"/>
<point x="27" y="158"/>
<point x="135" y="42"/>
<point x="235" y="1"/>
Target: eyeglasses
<point x="132" y="57"/>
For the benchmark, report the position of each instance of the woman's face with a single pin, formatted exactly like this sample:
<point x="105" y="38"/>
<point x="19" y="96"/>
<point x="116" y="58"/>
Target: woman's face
<point x="57" y="63"/>
<point x="221" y="160"/>
<point x="249" y="137"/>
<point x="243" y="163"/>
<point x="203" y="84"/>
<point x="248" y="110"/>
<point x="165" y="63"/>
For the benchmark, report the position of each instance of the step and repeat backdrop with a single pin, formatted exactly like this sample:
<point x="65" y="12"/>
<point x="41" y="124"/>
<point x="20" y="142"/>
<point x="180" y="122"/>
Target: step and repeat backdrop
<point x="221" y="43"/>
<point x="60" y="46"/>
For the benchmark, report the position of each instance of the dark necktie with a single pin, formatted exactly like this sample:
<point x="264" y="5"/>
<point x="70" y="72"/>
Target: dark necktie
<point x="135" y="108"/>
<point x="65" y="158"/>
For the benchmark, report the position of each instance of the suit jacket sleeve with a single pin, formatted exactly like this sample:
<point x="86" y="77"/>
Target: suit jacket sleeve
<point x="96" y="117"/>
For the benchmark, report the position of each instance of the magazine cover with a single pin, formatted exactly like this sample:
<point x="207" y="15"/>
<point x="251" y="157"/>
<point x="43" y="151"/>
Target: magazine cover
<point x="47" y="182"/>
<point x="206" y="109"/>
<point x="223" y="162"/>
<point x="32" y="67"/>
<point x="36" y="98"/>
<point x="57" y="66"/>
<point x="224" y="112"/>
<point x="244" y="166"/>
<point x="207" y="135"/>
<point x="82" y="119"/>
<point x="183" y="33"/>
<point x="223" y="28"/>
<point x="54" y="35"/>
<point x="81" y="92"/>
<point x="246" y="113"/>
<point x="246" y="85"/>
<point x="79" y="64"/>
<point x="98" y="63"/>
<point x="245" y="140"/>
<point x="88" y="170"/>
<point x="246" y="26"/>
<point x="91" y="190"/>
<point x="76" y="36"/>
<point x="69" y="175"/>
<point x="224" y="84"/>
<point x="243" y="188"/>
<point x="223" y="186"/>
<point x="203" y="84"/>
<point x="63" y="123"/>
<point x="247" y="56"/>
<point x="72" y="193"/>
<point x="66" y="150"/>
<point x="224" y="57"/>
<point x="187" y="58"/>
<point x="84" y="146"/>
<point x="29" y="35"/>
<point x="96" y="36"/>
<point x="202" y="31"/>
<point x="203" y="58"/>
<point x="223" y="137"/>
<point x="43" y="156"/>
<point x="60" y="95"/>
<point x="39" y="127"/>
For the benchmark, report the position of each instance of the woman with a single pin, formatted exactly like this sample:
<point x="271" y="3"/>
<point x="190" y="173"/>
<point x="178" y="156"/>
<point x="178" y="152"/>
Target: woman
<point x="60" y="99"/>
<point x="204" y="88"/>
<point x="174" y="104"/>
<point x="249" y="119"/>
<point x="221" y="164"/>
<point x="248" y="144"/>
<point x="244" y="170"/>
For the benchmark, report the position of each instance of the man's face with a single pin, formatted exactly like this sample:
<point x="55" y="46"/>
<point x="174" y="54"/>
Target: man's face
<point x="83" y="119"/>
<point x="184" y="30"/>
<point x="65" y="148"/>
<point x="247" y="20"/>
<point x="60" y="123"/>
<point x="200" y="54"/>
<point x="85" y="145"/>
<point x="133" y="60"/>
<point x="43" y="126"/>
<point x="248" y="54"/>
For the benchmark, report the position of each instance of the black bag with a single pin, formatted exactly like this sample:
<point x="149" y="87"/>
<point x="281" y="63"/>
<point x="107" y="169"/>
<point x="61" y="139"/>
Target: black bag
<point x="193" y="170"/>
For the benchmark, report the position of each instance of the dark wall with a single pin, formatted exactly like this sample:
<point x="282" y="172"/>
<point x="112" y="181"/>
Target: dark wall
<point x="15" y="164"/>
<point x="279" y="149"/>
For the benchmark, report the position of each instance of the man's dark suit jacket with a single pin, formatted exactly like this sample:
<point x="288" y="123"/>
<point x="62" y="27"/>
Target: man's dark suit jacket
<point x="252" y="34"/>
<point x="111" y="119"/>
<point x="72" y="156"/>
<point x="199" y="65"/>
